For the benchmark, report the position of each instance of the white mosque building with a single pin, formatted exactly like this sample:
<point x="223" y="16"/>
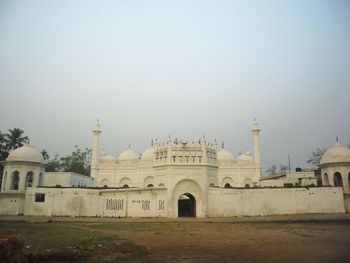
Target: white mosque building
<point x="171" y="179"/>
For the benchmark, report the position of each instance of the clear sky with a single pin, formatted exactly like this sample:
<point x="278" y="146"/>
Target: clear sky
<point x="147" y="69"/>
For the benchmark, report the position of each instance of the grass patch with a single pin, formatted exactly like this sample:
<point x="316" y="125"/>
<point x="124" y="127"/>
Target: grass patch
<point x="73" y="242"/>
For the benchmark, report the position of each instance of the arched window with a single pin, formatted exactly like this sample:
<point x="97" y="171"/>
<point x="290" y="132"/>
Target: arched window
<point x="247" y="186"/>
<point x="29" y="180"/>
<point x="212" y="185"/>
<point x="325" y="179"/>
<point x="338" y="180"/>
<point x="125" y="186"/>
<point x="15" y="180"/>
<point x="150" y="185"/>
<point x="105" y="183"/>
<point x="41" y="179"/>
<point x="227" y="185"/>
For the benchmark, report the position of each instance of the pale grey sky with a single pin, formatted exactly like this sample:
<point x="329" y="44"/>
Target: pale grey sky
<point x="186" y="68"/>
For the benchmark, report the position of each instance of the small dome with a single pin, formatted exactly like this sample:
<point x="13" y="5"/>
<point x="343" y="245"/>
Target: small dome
<point x="105" y="157"/>
<point x="224" y="155"/>
<point x="337" y="154"/>
<point x="245" y="157"/>
<point x="148" y="154"/>
<point x="128" y="155"/>
<point x="26" y="153"/>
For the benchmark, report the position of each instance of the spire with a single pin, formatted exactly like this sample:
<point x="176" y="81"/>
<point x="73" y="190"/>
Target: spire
<point x="152" y="142"/>
<point x="97" y="127"/>
<point x="222" y="145"/>
<point x="255" y="126"/>
<point x="337" y="143"/>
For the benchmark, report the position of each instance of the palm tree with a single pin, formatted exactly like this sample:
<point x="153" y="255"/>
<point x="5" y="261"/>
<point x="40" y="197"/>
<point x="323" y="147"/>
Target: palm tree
<point x="14" y="139"/>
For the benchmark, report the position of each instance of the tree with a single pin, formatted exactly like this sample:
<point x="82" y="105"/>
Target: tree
<point x="272" y="169"/>
<point x="77" y="162"/>
<point x="316" y="156"/>
<point x="3" y="152"/>
<point x="53" y="165"/>
<point x="15" y="139"/>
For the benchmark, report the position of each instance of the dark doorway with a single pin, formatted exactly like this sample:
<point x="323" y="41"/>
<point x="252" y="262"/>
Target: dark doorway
<point x="338" y="180"/>
<point x="187" y="206"/>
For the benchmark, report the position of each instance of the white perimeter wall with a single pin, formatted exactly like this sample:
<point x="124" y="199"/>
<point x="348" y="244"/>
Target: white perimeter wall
<point x="258" y="202"/>
<point x="11" y="203"/>
<point x="87" y="202"/>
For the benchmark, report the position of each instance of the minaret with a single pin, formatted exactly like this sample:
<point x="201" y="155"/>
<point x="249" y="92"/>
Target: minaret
<point x="95" y="158"/>
<point x="256" y="140"/>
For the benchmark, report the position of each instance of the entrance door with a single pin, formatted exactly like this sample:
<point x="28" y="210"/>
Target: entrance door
<point x="187" y="206"/>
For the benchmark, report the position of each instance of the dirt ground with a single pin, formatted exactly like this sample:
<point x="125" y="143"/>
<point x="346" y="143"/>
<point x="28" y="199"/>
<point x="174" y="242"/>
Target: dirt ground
<point x="185" y="241"/>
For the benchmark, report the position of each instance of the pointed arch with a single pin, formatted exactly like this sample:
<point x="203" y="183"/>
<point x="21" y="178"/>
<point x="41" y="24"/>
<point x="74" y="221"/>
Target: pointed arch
<point x="15" y="180"/>
<point x="105" y="183"/>
<point x="227" y="182"/>
<point x="149" y="180"/>
<point x="248" y="183"/>
<point x="125" y="182"/>
<point x="29" y="180"/>
<point x="189" y="188"/>
<point x="338" y="180"/>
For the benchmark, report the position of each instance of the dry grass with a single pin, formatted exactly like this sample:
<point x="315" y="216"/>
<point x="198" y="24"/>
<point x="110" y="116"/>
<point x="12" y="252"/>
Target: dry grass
<point x="185" y="241"/>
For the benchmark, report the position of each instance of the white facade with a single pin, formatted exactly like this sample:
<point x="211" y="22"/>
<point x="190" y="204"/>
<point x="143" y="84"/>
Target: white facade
<point x="170" y="179"/>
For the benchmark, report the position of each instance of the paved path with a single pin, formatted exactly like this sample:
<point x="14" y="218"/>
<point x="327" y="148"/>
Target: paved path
<point x="275" y="218"/>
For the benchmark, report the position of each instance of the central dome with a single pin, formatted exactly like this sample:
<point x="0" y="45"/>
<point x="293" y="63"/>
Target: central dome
<point x="337" y="154"/>
<point x="128" y="155"/>
<point x="26" y="153"/>
<point x="224" y="155"/>
<point x="148" y="154"/>
<point x="105" y="157"/>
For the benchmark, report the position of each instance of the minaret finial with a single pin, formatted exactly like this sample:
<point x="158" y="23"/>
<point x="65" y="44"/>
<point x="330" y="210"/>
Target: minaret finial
<point x="129" y="145"/>
<point x="152" y="142"/>
<point x="222" y="145"/>
<point x="336" y="139"/>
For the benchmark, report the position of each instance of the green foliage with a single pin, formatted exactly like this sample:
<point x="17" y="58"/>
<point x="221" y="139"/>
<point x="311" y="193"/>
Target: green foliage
<point x="3" y="151"/>
<point x="316" y="156"/>
<point x="78" y="162"/>
<point x="53" y="165"/>
<point x="10" y="141"/>
<point x="15" y="139"/>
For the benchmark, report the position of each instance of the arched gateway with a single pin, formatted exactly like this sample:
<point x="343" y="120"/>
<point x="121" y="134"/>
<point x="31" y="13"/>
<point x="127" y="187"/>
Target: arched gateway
<point x="187" y="206"/>
<point x="187" y="199"/>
